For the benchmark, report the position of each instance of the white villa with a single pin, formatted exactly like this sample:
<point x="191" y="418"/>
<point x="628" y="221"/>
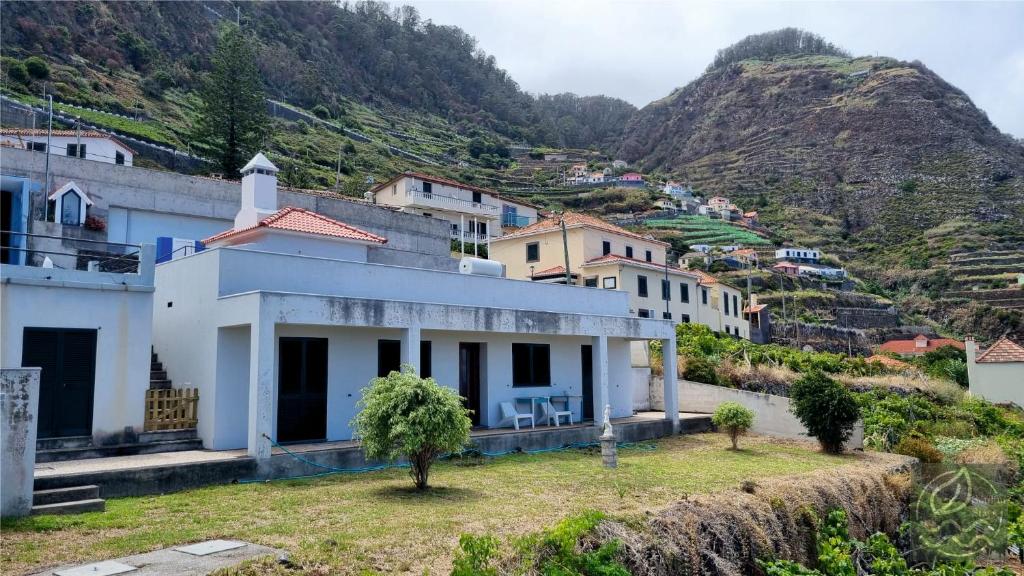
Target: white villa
<point x="475" y="214"/>
<point x="996" y="374"/>
<point x="795" y="254"/>
<point x="87" y="144"/>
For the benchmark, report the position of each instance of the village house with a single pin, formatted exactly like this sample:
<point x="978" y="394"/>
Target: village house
<point x="602" y="255"/>
<point x="86" y="144"/>
<point x="596" y="177"/>
<point x="474" y="214"/>
<point x="807" y="255"/>
<point x="673" y="188"/>
<point x="996" y="374"/>
<point x="283" y="314"/>
<point x="787" y="268"/>
<point x="718" y="203"/>
<point x="632" y="177"/>
<point x="920" y="345"/>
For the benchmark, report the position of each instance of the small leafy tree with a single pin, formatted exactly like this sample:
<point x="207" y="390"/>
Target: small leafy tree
<point x="826" y="408"/>
<point x="735" y="419"/>
<point x="700" y="370"/>
<point x="403" y="415"/>
<point x="37" y="68"/>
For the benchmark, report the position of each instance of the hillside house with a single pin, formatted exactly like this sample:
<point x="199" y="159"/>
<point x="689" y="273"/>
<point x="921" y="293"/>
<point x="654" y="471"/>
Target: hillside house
<point x="620" y="164"/>
<point x="807" y="255"/>
<point x="602" y="255"/>
<point x="760" y="320"/>
<point x="632" y="177"/>
<point x="920" y="345"/>
<point x="86" y="144"/>
<point x="474" y="214"/>
<point x="284" y="317"/>
<point x="996" y="374"/>
<point x="673" y="188"/>
<point x="595" y="178"/>
<point x="787" y="268"/>
<point x="718" y="203"/>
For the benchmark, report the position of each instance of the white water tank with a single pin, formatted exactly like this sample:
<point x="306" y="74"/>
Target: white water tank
<point x="481" y="267"/>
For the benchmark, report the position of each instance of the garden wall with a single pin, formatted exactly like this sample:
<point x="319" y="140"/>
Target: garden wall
<point x="772" y="414"/>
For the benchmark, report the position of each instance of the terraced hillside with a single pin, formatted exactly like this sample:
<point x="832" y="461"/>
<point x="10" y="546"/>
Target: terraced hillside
<point x="692" y="229"/>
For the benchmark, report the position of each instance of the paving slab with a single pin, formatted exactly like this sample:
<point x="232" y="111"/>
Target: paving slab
<point x="170" y="562"/>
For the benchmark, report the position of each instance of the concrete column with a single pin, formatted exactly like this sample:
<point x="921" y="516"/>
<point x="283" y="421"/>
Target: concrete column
<point x="261" y="387"/>
<point x="411" y="347"/>
<point x="668" y="354"/>
<point x="19" y="419"/>
<point x="147" y="260"/>
<point x="600" y="348"/>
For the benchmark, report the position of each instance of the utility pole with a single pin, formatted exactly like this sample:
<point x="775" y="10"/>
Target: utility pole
<point x="49" y="134"/>
<point x="667" y="291"/>
<point x="565" y="248"/>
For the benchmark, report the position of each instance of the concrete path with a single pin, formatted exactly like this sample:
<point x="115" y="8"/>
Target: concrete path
<point x="166" y="562"/>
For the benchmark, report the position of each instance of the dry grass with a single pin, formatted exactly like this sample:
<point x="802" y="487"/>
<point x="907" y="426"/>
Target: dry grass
<point x="944" y="390"/>
<point x="374" y="522"/>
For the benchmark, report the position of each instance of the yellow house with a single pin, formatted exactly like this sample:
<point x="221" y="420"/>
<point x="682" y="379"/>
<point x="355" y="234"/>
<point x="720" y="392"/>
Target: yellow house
<point x="605" y="256"/>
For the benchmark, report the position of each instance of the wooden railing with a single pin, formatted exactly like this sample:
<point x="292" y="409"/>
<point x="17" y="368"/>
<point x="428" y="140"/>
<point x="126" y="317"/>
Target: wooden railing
<point x="171" y="409"/>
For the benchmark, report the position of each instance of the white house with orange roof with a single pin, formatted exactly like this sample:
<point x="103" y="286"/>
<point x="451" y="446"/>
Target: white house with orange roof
<point x="602" y="255"/>
<point x="996" y="374"/>
<point x="283" y="319"/>
<point x="87" y="144"/>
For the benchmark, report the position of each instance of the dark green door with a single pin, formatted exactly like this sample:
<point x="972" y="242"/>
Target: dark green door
<point x="66" y="384"/>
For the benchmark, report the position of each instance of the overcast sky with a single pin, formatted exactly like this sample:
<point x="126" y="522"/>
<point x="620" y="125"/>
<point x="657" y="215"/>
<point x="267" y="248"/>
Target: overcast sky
<point x="640" y="50"/>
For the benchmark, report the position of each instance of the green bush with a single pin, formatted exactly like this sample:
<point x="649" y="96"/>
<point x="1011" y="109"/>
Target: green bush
<point x="735" y="419"/>
<point x="37" y="68"/>
<point x="403" y="415"/>
<point x="700" y="370"/>
<point x="920" y="448"/>
<point x="826" y="408"/>
<point x="475" y="556"/>
<point x="16" y="70"/>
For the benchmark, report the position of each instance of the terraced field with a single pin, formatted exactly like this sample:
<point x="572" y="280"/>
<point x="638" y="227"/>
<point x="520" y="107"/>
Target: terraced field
<point x="703" y="230"/>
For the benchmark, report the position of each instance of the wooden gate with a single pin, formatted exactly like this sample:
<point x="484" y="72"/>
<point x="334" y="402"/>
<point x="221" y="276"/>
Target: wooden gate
<point x="171" y="409"/>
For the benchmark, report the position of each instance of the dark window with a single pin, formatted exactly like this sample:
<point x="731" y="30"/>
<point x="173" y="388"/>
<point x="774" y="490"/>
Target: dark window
<point x="684" y="292"/>
<point x="647" y="255"/>
<point x="704" y="296"/>
<point x="37" y="146"/>
<point x="426" y="362"/>
<point x="735" y="307"/>
<point x="476" y="197"/>
<point x="532" y="252"/>
<point x="685" y="318"/>
<point x="606" y="248"/>
<point x="81" y="150"/>
<point x="629" y="251"/>
<point x="737" y="330"/>
<point x="590" y="282"/>
<point x="726" y="300"/>
<point x="72" y="150"/>
<point x="118" y="158"/>
<point x="531" y="365"/>
<point x="644" y="313"/>
<point x="481" y="228"/>
<point x="641" y="286"/>
<point x="666" y="315"/>
<point x="428" y="189"/>
<point x="666" y="290"/>
<point x="389" y="357"/>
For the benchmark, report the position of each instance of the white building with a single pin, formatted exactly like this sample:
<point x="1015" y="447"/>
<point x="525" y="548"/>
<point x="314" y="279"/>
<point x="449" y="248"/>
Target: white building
<point x="798" y="254"/>
<point x="996" y="374"/>
<point x="474" y="214"/>
<point x="87" y="144"/>
<point x="283" y="316"/>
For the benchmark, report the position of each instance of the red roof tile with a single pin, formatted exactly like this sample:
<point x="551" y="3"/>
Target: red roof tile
<point x="575" y="220"/>
<point x="553" y="271"/>
<point x="62" y="134"/>
<point x="301" y="220"/>
<point x="905" y="347"/>
<point x="754" y="308"/>
<point x="1004" y="350"/>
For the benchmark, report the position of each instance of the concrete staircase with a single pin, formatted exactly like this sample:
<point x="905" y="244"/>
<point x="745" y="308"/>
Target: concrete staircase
<point x="72" y="500"/>
<point x="157" y="375"/>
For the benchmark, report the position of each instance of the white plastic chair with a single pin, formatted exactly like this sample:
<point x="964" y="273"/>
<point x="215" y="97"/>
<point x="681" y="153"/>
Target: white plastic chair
<point x="551" y="413"/>
<point x="508" y="412"/>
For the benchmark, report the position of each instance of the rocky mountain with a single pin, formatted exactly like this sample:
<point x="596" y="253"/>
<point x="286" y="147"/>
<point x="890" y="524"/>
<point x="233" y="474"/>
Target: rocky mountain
<point x="887" y="148"/>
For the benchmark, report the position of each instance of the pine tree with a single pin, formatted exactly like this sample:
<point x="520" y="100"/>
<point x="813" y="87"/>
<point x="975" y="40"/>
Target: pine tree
<point x="232" y="114"/>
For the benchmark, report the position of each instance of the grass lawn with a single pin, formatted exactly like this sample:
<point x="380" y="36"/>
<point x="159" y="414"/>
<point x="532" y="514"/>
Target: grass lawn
<point x="375" y="522"/>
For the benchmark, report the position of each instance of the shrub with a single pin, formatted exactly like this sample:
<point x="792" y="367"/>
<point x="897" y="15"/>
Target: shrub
<point x="700" y="370"/>
<point x="920" y="448"/>
<point x="826" y="408"/>
<point x="475" y="556"/>
<point x="16" y="70"/>
<point x="403" y="415"/>
<point x="735" y="419"/>
<point x="37" y="67"/>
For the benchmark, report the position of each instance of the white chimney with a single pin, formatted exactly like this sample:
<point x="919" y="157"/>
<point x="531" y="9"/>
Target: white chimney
<point x="259" y="192"/>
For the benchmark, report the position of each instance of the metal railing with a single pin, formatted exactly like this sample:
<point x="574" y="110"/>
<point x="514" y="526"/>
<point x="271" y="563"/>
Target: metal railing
<point x="96" y="256"/>
<point x="510" y="220"/>
<point x="457" y="204"/>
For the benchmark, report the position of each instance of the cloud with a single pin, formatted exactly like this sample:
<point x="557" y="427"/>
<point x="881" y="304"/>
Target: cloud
<point x="641" y="50"/>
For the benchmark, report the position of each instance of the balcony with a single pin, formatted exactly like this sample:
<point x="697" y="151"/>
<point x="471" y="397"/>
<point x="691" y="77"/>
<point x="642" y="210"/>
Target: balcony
<point x="469" y="237"/>
<point x="421" y="199"/>
<point x="509" y="220"/>
<point x="41" y="258"/>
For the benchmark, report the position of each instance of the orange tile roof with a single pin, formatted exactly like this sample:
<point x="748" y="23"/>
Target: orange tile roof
<point x="62" y="134"/>
<point x="911" y="347"/>
<point x="754" y="308"/>
<point x="1004" y="350"/>
<point x="553" y="271"/>
<point x="705" y="278"/>
<point x="294" y="219"/>
<point x="575" y="220"/>
<point x="611" y="258"/>
<point x="888" y="362"/>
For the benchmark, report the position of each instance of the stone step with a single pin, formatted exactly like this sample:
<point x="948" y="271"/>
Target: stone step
<point x="65" y="442"/>
<point x="159" y="384"/>
<point x="62" y="495"/>
<point x="156" y="366"/>
<point x="76" y="507"/>
<point x="63" y="454"/>
<point x="158" y="374"/>
<point x="167" y="435"/>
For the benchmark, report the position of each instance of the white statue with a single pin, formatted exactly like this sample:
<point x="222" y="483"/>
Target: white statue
<point x="607" y="427"/>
